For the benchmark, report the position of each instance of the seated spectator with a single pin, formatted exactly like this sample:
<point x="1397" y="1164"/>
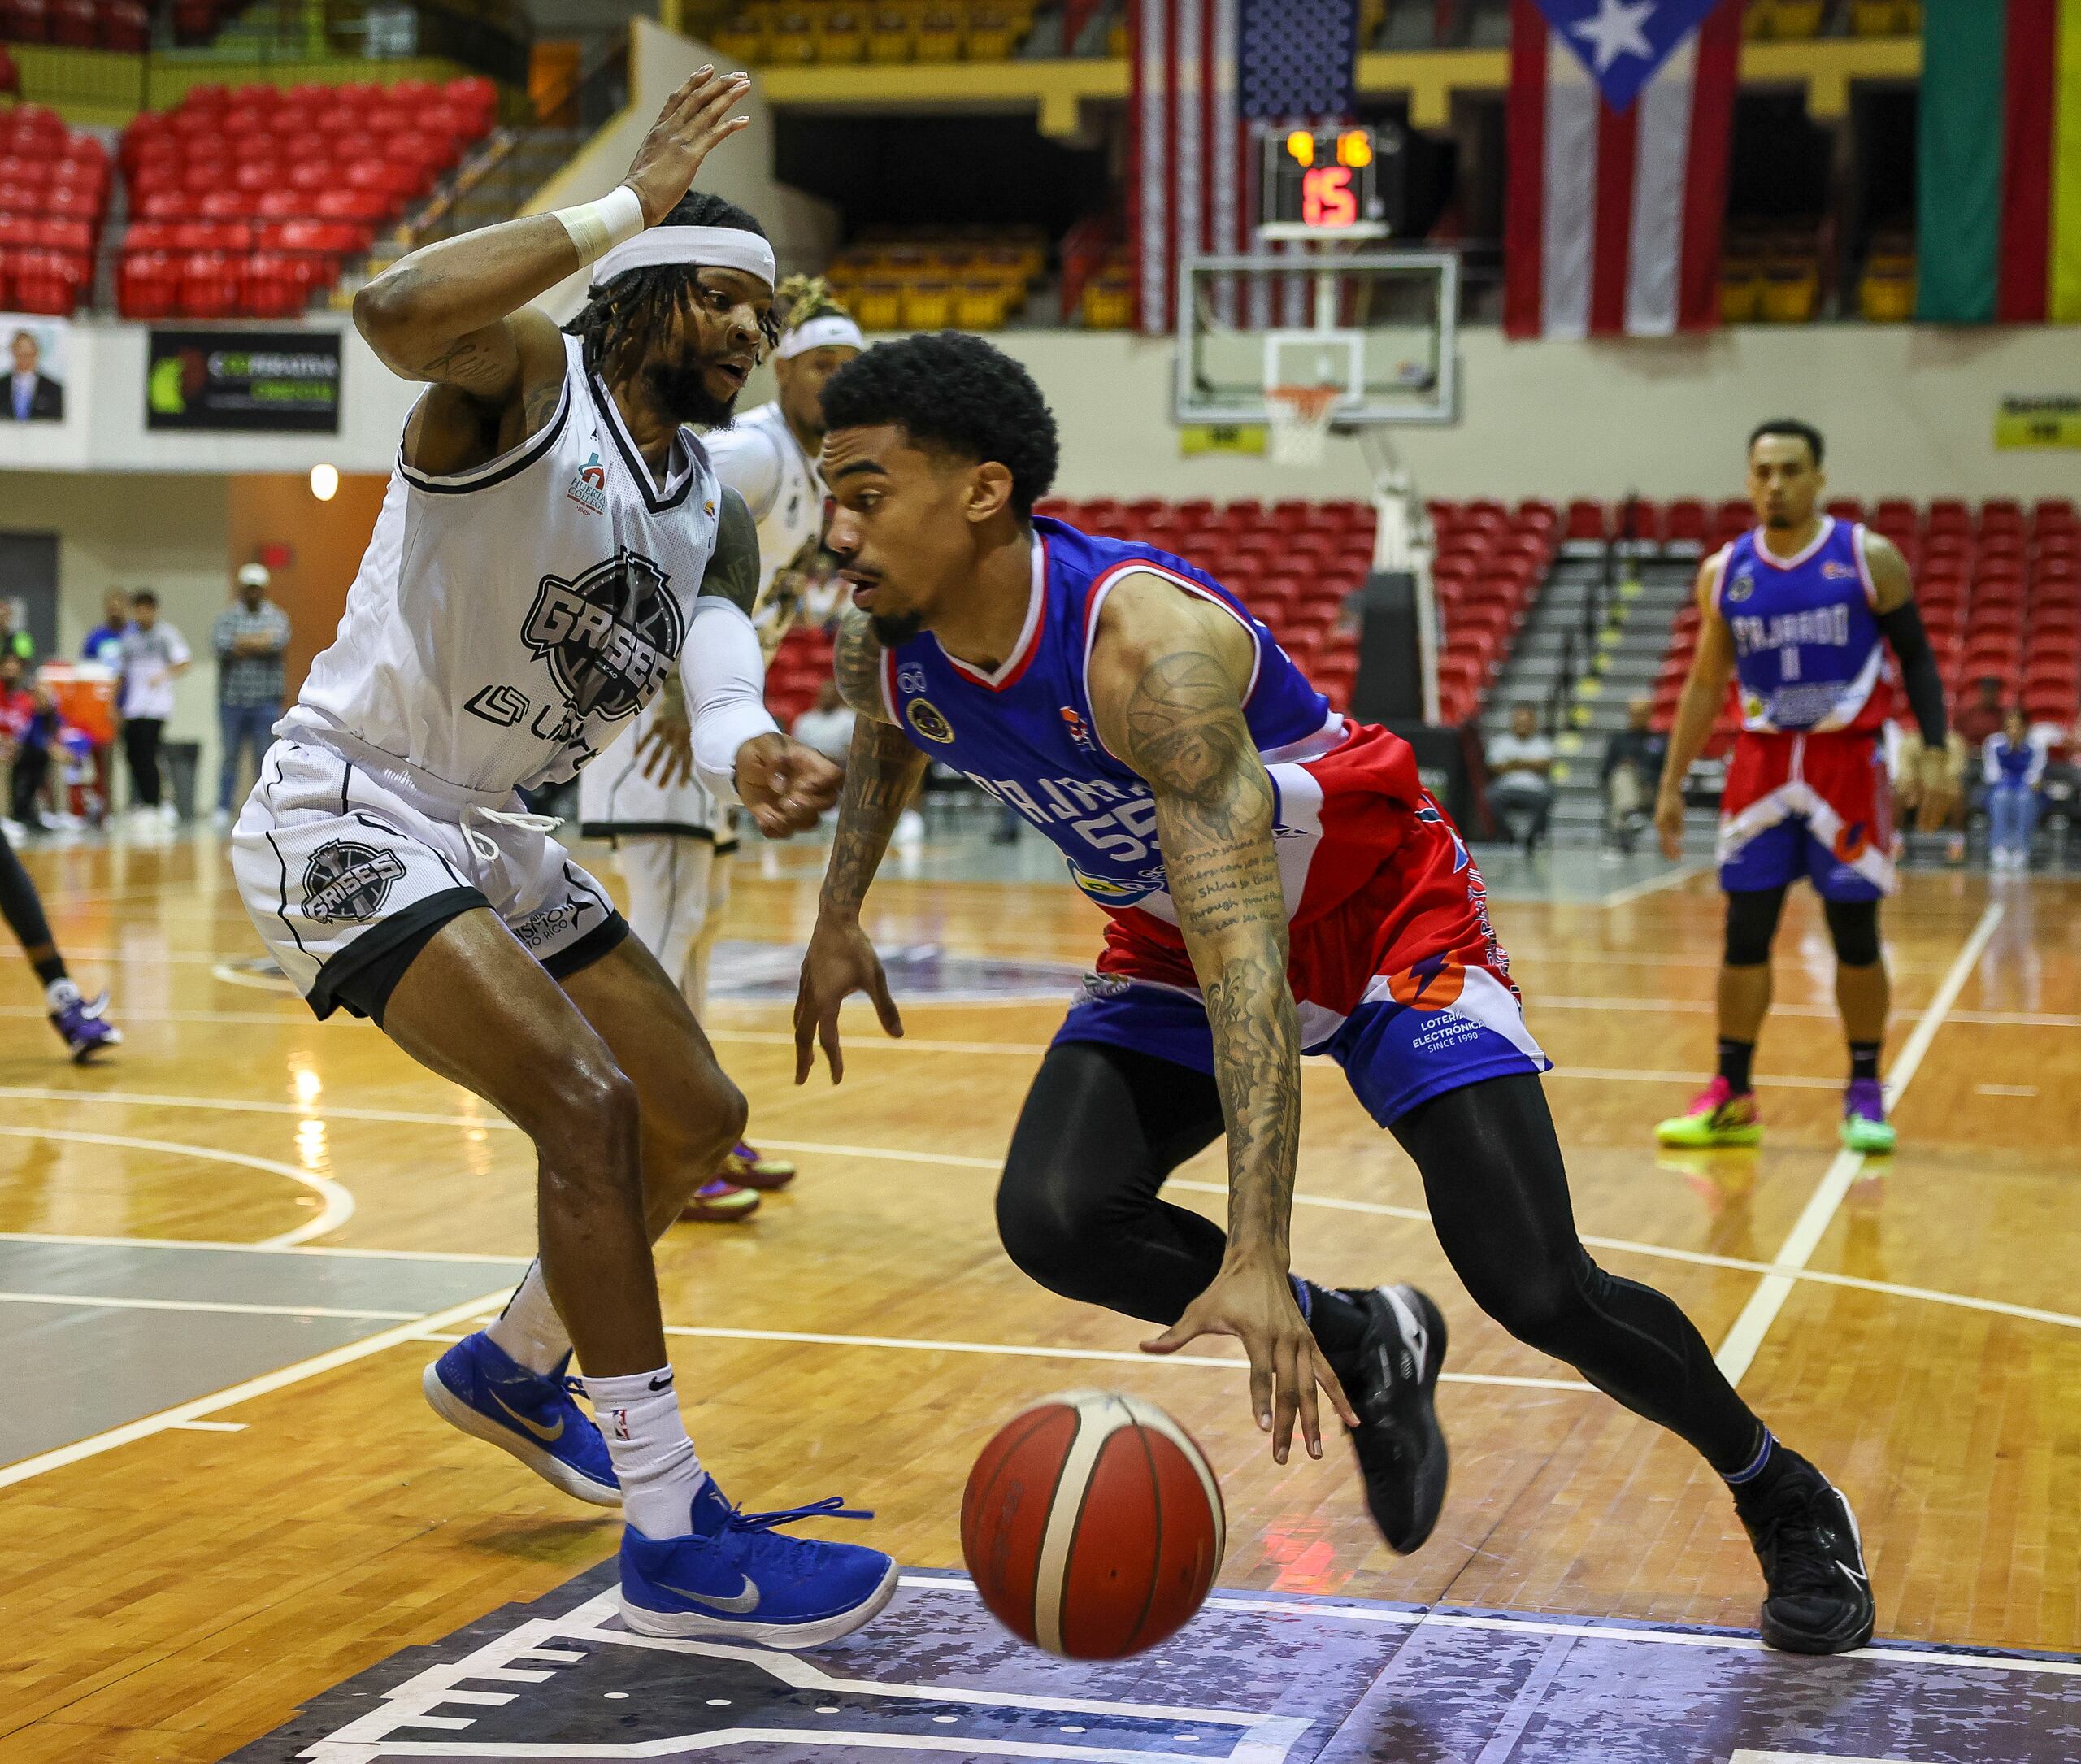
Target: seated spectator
<point x="1520" y="777"/>
<point x="1631" y="774"/>
<point x="2012" y="764"/>
<point x="827" y="726"/>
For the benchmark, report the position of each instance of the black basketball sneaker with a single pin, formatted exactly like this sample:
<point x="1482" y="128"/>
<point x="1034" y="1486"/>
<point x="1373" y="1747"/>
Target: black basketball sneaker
<point x="1390" y="1380"/>
<point x="1819" y="1597"/>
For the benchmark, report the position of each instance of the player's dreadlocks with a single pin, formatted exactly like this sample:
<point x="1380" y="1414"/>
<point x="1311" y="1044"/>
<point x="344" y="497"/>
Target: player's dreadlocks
<point x="639" y="303"/>
<point x="800" y="298"/>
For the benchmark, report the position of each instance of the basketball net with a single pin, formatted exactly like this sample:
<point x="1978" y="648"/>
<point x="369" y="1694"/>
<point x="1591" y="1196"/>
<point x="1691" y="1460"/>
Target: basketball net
<point x="1300" y="422"/>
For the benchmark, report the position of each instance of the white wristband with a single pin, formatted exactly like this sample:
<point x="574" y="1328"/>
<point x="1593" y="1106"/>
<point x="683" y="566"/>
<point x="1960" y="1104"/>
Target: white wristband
<point x="596" y="229"/>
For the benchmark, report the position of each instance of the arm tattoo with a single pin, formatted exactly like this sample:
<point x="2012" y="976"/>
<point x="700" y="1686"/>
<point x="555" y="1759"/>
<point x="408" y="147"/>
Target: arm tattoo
<point x="856" y="658"/>
<point x="540" y="407"/>
<point x="881" y="776"/>
<point x="1214" y="819"/>
<point x="732" y="573"/>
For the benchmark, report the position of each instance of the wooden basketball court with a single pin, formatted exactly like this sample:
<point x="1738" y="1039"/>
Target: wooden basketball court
<point x="224" y="1494"/>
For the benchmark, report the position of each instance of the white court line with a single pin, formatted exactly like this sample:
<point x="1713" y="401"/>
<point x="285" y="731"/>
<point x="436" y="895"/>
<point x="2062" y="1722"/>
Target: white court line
<point x="279" y="1380"/>
<point x="272" y="1247"/>
<point x="210" y="1427"/>
<point x="1737" y="1353"/>
<point x="227" y="1307"/>
<point x="338" y="1205"/>
<point x="1633" y="891"/>
<point x="1533" y="1626"/>
<point x="1013" y="1350"/>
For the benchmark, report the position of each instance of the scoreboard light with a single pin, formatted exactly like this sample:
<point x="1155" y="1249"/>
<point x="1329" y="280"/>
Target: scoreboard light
<point x="1328" y="182"/>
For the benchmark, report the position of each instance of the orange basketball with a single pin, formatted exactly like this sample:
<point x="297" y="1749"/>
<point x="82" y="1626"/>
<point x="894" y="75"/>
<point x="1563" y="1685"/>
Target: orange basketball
<point x="1092" y="1525"/>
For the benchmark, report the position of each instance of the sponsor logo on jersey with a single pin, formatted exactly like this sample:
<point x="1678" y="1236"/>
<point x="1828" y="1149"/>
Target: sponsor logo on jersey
<point x="346" y="879"/>
<point x="610" y="636"/>
<point x="1834" y="570"/>
<point x="1106" y="890"/>
<point x="589" y="486"/>
<point x="1432" y="985"/>
<point x="925" y="716"/>
<point x="1080" y="731"/>
<point x="1741" y="587"/>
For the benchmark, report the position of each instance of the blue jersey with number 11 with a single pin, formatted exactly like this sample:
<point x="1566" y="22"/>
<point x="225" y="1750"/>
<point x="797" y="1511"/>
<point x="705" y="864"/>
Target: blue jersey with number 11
<point x="1809" y="653"/>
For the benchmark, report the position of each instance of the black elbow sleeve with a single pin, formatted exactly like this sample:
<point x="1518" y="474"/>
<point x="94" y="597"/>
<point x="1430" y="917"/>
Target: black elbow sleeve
<point x="1903" y="628"/>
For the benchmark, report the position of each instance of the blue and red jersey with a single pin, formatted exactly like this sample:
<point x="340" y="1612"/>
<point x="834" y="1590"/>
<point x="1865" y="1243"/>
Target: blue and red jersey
<point x="1372" y="871"/>
<point x="1808" y="655"/>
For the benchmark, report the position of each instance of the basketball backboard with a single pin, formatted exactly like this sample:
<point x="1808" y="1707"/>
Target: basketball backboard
<point x="1380" y="325"/>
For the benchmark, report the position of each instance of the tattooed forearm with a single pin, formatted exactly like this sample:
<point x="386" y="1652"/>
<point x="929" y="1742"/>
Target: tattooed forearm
<point x="1186" y="734"/>
<point x="882" y="773"/>
<point x="856" y="658"/>
<point x="732" y="573"/>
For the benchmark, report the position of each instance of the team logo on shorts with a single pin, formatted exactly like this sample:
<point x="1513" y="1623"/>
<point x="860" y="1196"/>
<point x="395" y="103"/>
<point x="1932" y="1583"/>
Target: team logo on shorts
<point x="611" y="636"/>
<point x="347" y="880"/>
<point x="1852" y="842"/>
<point x="923" y="716"/>
<point x="1432" y="985"/>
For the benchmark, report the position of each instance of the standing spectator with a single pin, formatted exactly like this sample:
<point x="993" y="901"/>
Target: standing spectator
<point x="153" y="657"/>
<point x="1631" y="774"/>
<point x="28" y="727"/>
<point x="18" y="644"/>
<point x="104" y="643"/>
<point x="1520" y="776"/>
<point x="2012" y="764"/>
<point x="249" y="638"/>
<point x="827" y="727"/>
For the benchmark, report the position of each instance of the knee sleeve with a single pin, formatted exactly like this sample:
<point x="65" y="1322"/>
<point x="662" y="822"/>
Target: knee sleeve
<point x="1751" y="922"/>
<point x="1854" y="926"/>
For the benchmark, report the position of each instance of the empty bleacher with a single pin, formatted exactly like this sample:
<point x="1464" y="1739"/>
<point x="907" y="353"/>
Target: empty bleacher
<point x="247" y="203"/>
<point x="54" y="196"/>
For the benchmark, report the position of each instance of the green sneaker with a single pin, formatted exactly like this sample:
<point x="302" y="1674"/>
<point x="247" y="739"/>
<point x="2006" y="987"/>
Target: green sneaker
<point x="1865" y="1126"/>
<point x="1717" y="1117"/>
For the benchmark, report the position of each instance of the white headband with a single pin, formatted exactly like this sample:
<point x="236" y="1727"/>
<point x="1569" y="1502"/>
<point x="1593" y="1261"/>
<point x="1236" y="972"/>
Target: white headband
<point x="831" y="330"/>
<point x="716" y="248"/>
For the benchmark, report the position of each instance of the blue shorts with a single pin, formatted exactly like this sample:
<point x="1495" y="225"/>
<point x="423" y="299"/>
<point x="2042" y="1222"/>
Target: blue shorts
<point x="1782" y="853"/>
<point x="1394" y="1055"/>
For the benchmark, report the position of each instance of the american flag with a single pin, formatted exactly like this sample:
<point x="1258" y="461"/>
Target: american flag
<point x="1200" y="70"/>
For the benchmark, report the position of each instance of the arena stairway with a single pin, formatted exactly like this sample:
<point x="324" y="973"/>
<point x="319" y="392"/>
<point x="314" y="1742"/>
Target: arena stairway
<point x="1584" y="686"/>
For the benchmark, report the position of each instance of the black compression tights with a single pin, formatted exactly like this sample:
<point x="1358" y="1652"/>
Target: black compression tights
<point x="24" y="911"/>
<point x="1103" y="1127"/>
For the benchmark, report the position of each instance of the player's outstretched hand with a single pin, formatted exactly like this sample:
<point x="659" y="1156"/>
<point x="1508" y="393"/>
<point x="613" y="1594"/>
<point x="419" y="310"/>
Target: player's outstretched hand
<point x="666" y="751"/>
<point x="785" y="786"/>
<point x="1255" y="1303"/>
<point x="840" y="961"/>
<point x="1669" y="822"/>
<point x="694" y="118"/>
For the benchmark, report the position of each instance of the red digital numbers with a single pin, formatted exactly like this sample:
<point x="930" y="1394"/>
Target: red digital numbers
<point x="1327" y="198"/>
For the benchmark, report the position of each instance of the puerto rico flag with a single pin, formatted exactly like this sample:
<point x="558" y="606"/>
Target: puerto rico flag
<point x="1619" y="119"/>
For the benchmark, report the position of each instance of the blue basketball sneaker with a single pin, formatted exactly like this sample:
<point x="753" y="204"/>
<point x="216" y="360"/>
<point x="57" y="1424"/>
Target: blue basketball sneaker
<point x="478" y="1387"/>
<point x="738" y="1578"/>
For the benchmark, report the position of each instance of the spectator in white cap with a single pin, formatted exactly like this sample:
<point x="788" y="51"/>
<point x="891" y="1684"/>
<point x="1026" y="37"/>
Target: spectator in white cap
<point x="250" y="636"/>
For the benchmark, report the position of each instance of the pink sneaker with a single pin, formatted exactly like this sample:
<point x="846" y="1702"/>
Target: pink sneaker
<point x="1718" y="1116"/>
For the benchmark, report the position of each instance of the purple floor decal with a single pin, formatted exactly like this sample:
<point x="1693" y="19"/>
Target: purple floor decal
<point x="1256" y="1679"/>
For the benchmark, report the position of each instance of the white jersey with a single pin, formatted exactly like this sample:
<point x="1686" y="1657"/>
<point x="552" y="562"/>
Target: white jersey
<point x="759" y="457"/>
<point x="509" y="622"/>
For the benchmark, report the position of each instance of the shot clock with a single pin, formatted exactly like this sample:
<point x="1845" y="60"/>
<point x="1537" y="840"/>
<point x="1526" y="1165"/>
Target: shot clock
<point x="1330" y="183"/>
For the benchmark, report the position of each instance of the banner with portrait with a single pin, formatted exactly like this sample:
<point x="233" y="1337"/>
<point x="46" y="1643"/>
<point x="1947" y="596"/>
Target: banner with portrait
<point x="34" y="390"/>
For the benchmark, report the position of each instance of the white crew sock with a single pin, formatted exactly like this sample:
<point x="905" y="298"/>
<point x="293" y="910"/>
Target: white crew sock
<point x="59" y="993"/>
<point x="639" y="1416"/>
<point x="529" y="1330"/>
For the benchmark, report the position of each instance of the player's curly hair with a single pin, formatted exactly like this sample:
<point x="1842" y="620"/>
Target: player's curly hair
<point x="800" y="298"/>
<point x="951" y="390"/>
<point x="638" y="304"/>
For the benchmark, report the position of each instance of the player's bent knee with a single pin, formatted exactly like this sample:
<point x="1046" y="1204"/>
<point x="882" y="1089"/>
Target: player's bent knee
<point x="1048" y="1236"/>
<point x="1751" y="923"/>
<point x="590" y="1119"/>
<point x="1546" y="1308"/>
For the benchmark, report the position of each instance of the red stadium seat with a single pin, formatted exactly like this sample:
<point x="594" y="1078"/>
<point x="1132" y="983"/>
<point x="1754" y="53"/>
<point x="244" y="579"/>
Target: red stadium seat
<point x="25" y="21"/>
<point x="211" y="284"/>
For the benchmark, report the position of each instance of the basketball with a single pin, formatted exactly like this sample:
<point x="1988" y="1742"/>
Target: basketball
<point x="1092" y="1525"/>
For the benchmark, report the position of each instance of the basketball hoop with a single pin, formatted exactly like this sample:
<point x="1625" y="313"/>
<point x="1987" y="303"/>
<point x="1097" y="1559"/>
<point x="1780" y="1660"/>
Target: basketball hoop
<point x="1300" y="422"/>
